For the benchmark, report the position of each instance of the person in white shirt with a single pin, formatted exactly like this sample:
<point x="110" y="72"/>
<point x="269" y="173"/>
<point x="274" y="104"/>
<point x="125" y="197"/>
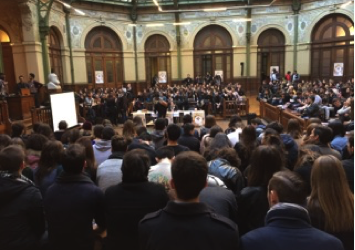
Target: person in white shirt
<point x="161" y="172"/>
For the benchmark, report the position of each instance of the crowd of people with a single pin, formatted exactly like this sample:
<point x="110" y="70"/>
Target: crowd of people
<point x="324" y="99"/>
<point x="112" y="103"/>
<point x="257" y="186"/>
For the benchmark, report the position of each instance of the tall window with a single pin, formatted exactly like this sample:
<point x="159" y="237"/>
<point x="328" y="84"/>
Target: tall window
<point x="271" y="52"/>
<point x="55" y="54"/>
<point x="333" y="46"/>
<point x="157" y="57"/>
<point x="213" y="52"/>
<point x="104" y="60"/>
<point x="7" y="58"/>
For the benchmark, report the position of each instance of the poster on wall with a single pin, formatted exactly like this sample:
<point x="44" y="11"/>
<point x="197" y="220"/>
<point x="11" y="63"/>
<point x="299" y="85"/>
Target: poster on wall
<point x="338" y="69"/>
<point x="162" y="77"/>
<point x="99" y="77"/>
<point x="219" y="73"/>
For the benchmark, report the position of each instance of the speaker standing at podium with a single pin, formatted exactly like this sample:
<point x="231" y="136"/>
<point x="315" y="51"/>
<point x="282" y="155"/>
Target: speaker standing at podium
<point x="21" y="85"/>
<point x="34" y="88"/>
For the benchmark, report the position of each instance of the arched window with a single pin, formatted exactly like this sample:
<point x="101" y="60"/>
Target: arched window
<point x="271" y="52"/>
<point x="55" y="53"/>
<point x="157" y="57"/>
<point x="104" y="60"/>
<point x="7" y="61"/>
<point x="213" y="52"/>
<point x="333" y="47"/>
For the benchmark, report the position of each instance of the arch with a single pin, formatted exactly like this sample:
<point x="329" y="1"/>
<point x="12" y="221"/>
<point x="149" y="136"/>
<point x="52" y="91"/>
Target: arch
<point x="157" y="57"/>
<point x="56" y="26"/>
<point x="6" y="29"/>
<point x="104" y="57"/>
<point x="156" y="43"/>
<point x="213" y="37"/>
<point x="110" y="26"/>
<point x="55" y="43"/>
<point x="281" y="29"/>
<point x="308" y="32"/>
<point x="332" y="47"/>
<point x="271" y="37"/>
<point x="156" y="32"/>
<point x="206" y="24"/>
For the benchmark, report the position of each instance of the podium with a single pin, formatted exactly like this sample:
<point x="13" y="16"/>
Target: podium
<point x="20" y="107"/>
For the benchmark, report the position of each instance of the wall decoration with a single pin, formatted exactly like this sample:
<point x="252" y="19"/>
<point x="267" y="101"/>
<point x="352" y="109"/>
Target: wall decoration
<point x="338" y="69"/>
<point x="162" y="77"/>
<point x="99" y="77"/>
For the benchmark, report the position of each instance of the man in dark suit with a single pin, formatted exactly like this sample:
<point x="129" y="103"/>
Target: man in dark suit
<point x="21" y="85"/>
<point x="287" y="220"/>
<point x="186" y="223"/>
<point x="34" y="88"/>
<point x="188" y="80"/>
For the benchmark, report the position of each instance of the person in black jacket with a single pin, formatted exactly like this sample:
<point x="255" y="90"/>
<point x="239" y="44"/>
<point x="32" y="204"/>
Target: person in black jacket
<point x="313" y="109"/>
<point x="187" y="223"/>
<point x="21" y="210"/>
<point x="188" y="139"/>
<point x="72" y="203"/>
<point x="287" y="220"/>
<point x="129" y="201"/>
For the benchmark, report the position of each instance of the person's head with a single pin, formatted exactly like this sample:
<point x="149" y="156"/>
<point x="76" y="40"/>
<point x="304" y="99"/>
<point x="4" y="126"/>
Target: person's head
<point x="265" y="161"/>
<point x="286" y="186"/>
<point x="118" y="144"/>
<point x="187" y="119"/>
<point x="294" y="128"/>
<point x="173" y="132"/>
<point x="108" y="133"/>
<point x="337" y="128"/>
<point x="276" y="126"/>
<point x="140" y="130"/>
<point x="17" y="129"/>
<point x="336" y="102"/>
<point x="12" y="159"/>
<point x="235" y="122"/>
<point x="311" y="99"/>
<point x="210" y="121"/>
<point x="36" y="142"/>
<point x="164" y="152"/>
<point x="16" y="141"/>
<point x="88" y="126"/>
<point x="32" y="76"/>
<point x="20" y="78"/>
<point x="330" y="191"/>
<point x="189" y="129"/>
<point x="128" y="129"/>
<point x="63" y="125"/>
<point x="73" y="159"/>
<point x="230" y="155"/>
<point x="86" y="142"/>
<point x="189" y="175"/>
<point x="215" y="130"/>
<point x="138" y="121"/>
<point x="248" y="135"/>
<point x="256" y="122"/>
<point x="51" y="156"/>
<point x="135" y="166"/>
<point x="45" y="129"/>
<point x="160" y="124"/>
<point x="107" y="122"/>
<point x="314" y="120"/>
<point x="321" y="134"/>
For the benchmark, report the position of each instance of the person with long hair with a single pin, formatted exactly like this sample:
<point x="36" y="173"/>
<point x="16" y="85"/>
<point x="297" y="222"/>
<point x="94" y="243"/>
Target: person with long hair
<point x="245" y="147"/>
<point x="91" y="165"/>
<point x="220" y="141"/>
<point x="49" y="165"/>
<point x="128" y="129"/>
<point x="294" y="130"/>
<point x="207" y="138"/>
<point x="210" y="121"/>
<point x="253" y="203"/>
<point x="331" y="203"/>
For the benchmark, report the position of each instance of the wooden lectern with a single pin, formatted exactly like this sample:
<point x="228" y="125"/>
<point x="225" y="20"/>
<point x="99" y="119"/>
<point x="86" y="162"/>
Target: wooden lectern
<point x="20" y="107"/>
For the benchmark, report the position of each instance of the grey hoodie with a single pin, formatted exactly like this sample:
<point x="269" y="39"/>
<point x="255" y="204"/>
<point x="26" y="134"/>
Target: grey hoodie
<point x="102" y="150"/>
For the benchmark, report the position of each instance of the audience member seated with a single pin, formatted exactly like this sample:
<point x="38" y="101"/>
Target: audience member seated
<point x="158" y="133"/>
<point x="186" y="223"/>
<point x="339" y="141"/>
<point x="161" y="172"/>
<point x="102" y="148"/>
<point x="287" y="220"/>
<point x="246" y="146"/>
<point x="321" y="137"/>
<point x="331" y="204"/>
<point x="295" y="131"/>
<point x="207" y="138"/>
<point x="5" y="141"/>
<point x="348" y="164"/>
<point x="49" y="166"/>
<point x="91" y="165"/>
<point x="21" y="209"/>
<point x="86" y="129"/>
<point x="210" y="121"/>
<point x="145" y="142"/>
<point x="72" y="203"/>
<point x="35" y="144"/>
<point x="172" y="135"/>
<point x="253" y="204"/>
<point x="97" y="133"/>
<point x="63" y="125"/>
<point x="109" y="172"/>
<point x="312" y="110"/>
<point x="188" y="139"/>
<point x="129" y="201"/>
<point x="18" y="130"/>
<point x="258" y="125"/>
<point x="188" y="119"/>
<point x="234" y="129"/>
<point x="218" y="142"/>
<point x="225" y="167"/>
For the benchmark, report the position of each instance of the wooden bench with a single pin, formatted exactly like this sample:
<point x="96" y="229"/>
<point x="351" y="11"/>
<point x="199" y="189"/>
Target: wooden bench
<point x="235" y="107"/>
<point x="5" y="123"/>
